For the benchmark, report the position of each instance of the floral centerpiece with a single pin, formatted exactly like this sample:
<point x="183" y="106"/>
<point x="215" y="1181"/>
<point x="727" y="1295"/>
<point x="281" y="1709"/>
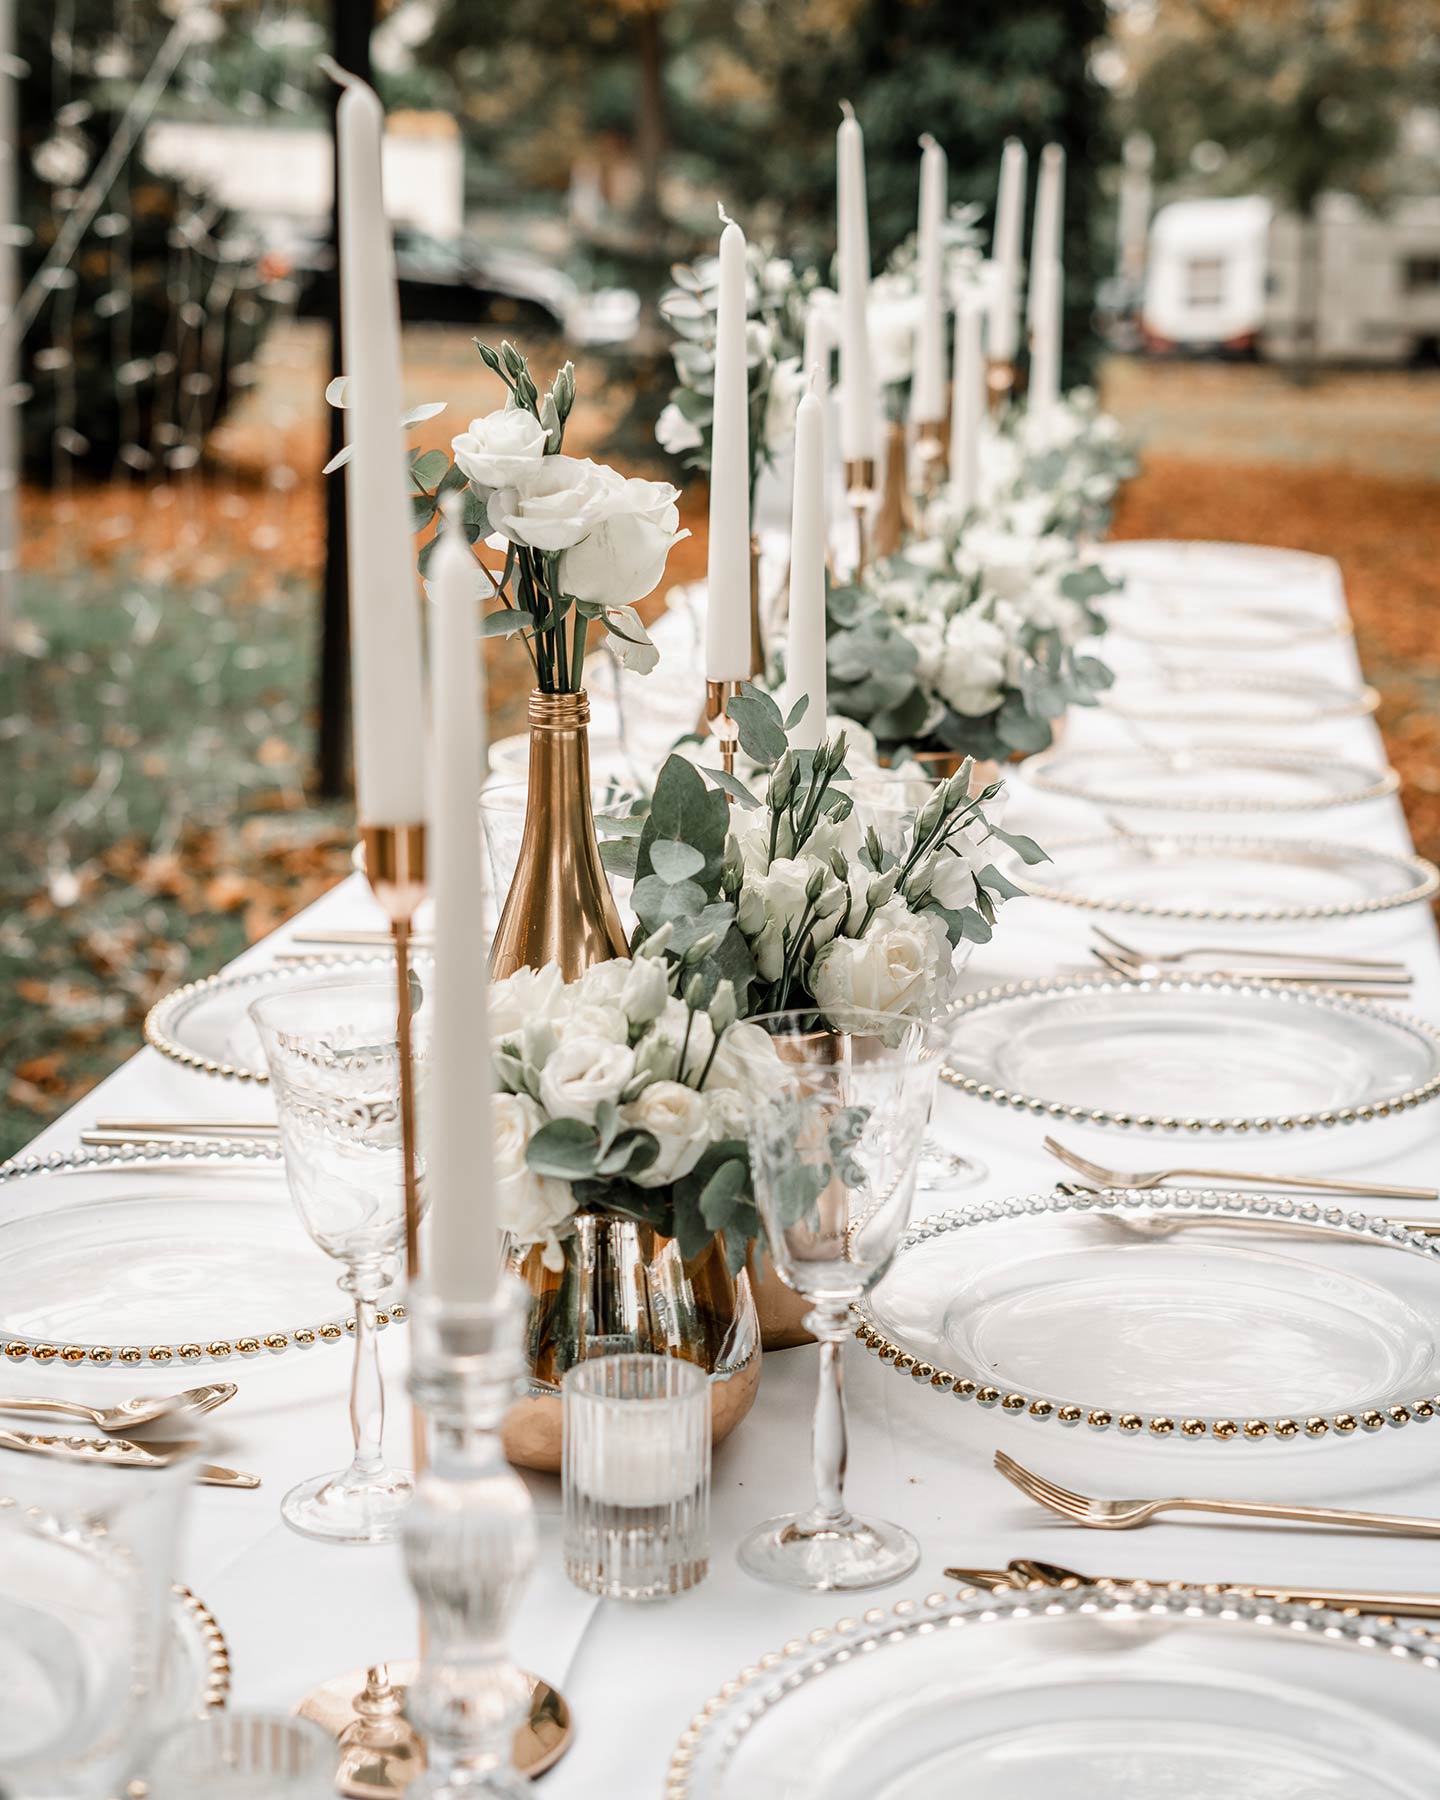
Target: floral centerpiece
<point x="969" y="646"/>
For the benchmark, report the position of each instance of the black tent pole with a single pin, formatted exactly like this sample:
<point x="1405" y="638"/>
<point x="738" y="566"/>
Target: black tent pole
<point x="351" y="23"/>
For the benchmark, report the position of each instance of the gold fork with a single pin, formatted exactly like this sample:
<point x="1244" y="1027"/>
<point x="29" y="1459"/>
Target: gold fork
<point x="1124" y="1515"/>
<point x="1234" y="953"/>
<point x="1356" y="984"/>
<point x="1153" y="1178"/>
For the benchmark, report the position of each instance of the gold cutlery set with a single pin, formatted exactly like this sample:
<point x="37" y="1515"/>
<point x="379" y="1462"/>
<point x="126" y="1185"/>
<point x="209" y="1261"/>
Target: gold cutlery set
<point x="118" y="1451"/>
<point x="1360" y="977"/>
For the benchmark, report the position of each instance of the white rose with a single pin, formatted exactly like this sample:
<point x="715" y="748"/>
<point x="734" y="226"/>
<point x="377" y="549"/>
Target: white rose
<point x="1004" y="562"/>
<point x="728" y="1112"/>
<point x="595" y="1019"/>
<point x="630" y="643"/>
<point x="894" y="317"/>
<point x="676" y="1116"/>
<point x="675" y="433"/>
<point x="503" y="449"/>
<point x="622" y="557"/>
<point x="532" y="1207"/>
<point x="557" y="503"/>
<point x="527" y="997"/>
<point x="646" y="989"/>
<point x="974" y="663"/>
<point x="891" y="969"/>
<point x="582" y="1073"/>
<point x="745" y="1062"/>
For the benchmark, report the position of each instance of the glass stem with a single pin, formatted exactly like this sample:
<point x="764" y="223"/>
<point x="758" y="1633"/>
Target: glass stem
<point x="367" y="1388"/>
<point x="829" y="1446"/>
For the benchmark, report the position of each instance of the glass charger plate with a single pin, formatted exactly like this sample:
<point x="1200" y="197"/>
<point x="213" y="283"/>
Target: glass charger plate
<point x="1224" y="622"/>
<point x="1240" y="881"/>
<point x="1230" y="778"/>
<point x="1190" y="1056"/>
<point x="1242" y="698"/>
<point x="1312" y="1330"/>
<point x="159" y="1254"/>
<point x="1208" y="562"/>
<point x="206" y="1025"/>
<point x="1086" y="1694"/>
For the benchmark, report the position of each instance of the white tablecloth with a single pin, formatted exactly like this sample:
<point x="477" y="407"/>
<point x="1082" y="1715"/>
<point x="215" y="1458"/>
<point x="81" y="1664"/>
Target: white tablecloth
<point x="296" y="1612"/>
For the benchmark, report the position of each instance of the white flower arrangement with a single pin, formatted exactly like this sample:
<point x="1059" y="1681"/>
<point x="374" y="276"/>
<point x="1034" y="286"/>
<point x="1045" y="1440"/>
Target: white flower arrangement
<point x="626" y="1091"/>
<point x="1063" y="468"/>
<point x="582" y="542"/>
<point x="893" y="313"/>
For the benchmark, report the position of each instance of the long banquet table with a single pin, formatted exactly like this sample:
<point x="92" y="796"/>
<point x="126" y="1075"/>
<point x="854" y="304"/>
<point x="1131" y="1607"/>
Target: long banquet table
<point x="296" y="1612"/>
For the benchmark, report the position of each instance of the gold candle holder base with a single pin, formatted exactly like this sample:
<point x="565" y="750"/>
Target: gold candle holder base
<point x="932" y="457"/>
<point x="1000" y="381"/>
<point x="724" y="730"/>
<point x="860" y="493"/>
<point x="380" y="1751"/>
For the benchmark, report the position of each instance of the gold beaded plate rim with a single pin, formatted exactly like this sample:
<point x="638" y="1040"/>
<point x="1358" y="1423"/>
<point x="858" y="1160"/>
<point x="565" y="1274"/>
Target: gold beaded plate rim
<point x="1373" y="783"/>
<point x="1180" y="1424"/>
<point x="236" y="1347"/>
<point x="212" y="1652"/>
<point x="167" y="1017"/>
<point x="1425" y="883"/>
<point x="1260" y="1124"/>
<point x="1332" y="699"/>
<point x="735" y="1708"/>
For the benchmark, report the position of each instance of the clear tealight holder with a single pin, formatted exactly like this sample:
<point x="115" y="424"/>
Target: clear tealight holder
<point x="636" y="1476"/>
<point x="245" y="1756"/>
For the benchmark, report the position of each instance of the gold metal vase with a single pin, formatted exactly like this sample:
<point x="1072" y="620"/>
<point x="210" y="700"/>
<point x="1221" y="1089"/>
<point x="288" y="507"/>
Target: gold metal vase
<point x="624" y="1286"/>
<point x="559" y="908"/>
<point x="895" y="520"/>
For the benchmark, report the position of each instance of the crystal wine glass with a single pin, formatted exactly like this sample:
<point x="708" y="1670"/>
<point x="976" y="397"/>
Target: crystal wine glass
<point x="890" y="804"/>
<point x="334" y="1066"/>
<point x="834" y="1144"/>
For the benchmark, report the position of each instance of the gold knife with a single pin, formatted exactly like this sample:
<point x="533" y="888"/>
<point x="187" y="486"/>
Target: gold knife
<point x="1413" y="1606"/>
<point x="122" y="1453"/>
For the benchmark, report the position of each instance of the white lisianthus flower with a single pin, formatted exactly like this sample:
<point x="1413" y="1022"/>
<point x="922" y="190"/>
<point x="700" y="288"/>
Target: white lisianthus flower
<point x="787" y="388"/>
<point x="675" y="433"/>
<point x="782" y="891"/>
<point x="974" y="663"/>
<point x="529" y="996"/>
<point x="504" y="449"/>
<point x="952" y="875"/>
<point x="630" y="642"/>
<point x="675" y="1115"/>
<point x="581" y="1072"/>
<point x="557" y="502"/>
<point x="532" y="1207"/>
<point x="646" y="989"/>
<point x="622" y="557"/>
<point x="745" y="1062"/>
<point x="893" y="968"/>
<point x="595" y="1019"/>
<point x="728" y="1111"/>
<point x="658" y="1052"/>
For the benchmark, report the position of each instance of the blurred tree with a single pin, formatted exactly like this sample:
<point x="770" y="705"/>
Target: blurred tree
<point x="1287" y="98"/>
<point x="136" y="346"/>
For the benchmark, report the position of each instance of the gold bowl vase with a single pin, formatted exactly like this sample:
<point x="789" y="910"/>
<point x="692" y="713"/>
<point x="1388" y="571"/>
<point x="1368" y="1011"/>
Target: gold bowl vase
<point x="626" y="1287"/>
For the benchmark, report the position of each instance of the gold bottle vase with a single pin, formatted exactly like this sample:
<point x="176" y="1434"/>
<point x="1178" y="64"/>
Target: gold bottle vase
<point x="625" y="1287"/>
<point x="559" y="908"/>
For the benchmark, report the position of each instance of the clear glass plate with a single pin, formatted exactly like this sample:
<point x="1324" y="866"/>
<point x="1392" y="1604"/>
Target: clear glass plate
<point x="1088" y="1694"/>
<point x="1215" y="699"/>
<point x="169" y="1255"/>
<point x="1210" y="563"/>
<point x="1227" y="622"/>
<point x="1247" y="881"/>
<point x="206" y="1024"/>
<point x="1230" y="778"/>
<point x="1195" y="1055"/>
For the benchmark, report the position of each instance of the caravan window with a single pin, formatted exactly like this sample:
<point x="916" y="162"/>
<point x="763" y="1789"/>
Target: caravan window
<point x="1204" y="281"/>
<point x="1421" y="273"/>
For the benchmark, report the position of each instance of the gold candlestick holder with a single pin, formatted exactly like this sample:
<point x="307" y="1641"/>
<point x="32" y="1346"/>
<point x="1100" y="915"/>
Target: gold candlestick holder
<point x="932" y="456"/>
<point x="860" y="494"/>
<point x="1000" y="381"/>
<point x="379" y="1751"/>
<point x="724" y="730"/>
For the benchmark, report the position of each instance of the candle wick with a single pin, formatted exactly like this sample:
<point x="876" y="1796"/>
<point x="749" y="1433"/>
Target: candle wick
<point x="847" y="109"/>
<point x="725" y="218"/>
<point x="342" y="77"/>
<point x="927" y="142"/>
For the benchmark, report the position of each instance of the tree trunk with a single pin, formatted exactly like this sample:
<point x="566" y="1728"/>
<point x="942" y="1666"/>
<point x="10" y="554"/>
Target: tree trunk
<point x="649" y="114"/>
<point x="1307" y="309"/>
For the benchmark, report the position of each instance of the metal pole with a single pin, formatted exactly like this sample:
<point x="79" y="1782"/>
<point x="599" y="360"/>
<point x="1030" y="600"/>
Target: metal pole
<point x="9" y="287"/>
<point x="351" y="23"/>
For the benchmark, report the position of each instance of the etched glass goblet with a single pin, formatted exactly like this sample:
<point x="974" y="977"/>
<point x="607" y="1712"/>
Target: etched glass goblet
<point x="834" y="1144"/>
<point x="334" y="1063"/>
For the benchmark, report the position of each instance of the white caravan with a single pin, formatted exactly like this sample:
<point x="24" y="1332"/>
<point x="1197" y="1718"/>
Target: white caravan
<point x="1233" y="275"/>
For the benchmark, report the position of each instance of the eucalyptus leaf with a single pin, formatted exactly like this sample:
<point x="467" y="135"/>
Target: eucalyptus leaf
<point x="734" y="787"/>
<point x="1025" y="848"/>
<point x="674" y="861"/>
<point x="566" y="1149"/>
<point x="505" y="623"/>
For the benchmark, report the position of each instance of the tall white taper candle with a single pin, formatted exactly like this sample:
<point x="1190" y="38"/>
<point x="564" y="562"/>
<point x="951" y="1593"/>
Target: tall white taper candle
<point x="927" y="390"/>
<point x="1005" y="252"/>
<point x="967" y="401"/>
<point x="1044" y="389"/>
<point x="727" y="605"/>
<point x="459" y="1174"/>
<point x="384" y="615"/>
<point x="859" y="424"/>
<point x="805" y="653"/>
<point x="1047" y="237"/>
